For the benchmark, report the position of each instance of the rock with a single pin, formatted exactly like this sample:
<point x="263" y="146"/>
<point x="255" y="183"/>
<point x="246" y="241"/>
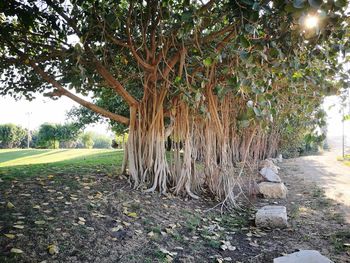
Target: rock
<point x="269" y="164"/>
<point x="270" y="175"/>
<point x="280" y="158"/>
<point x="303" y="256"/>
<point x="272" y="190"/>
<point x="271" y="217"/>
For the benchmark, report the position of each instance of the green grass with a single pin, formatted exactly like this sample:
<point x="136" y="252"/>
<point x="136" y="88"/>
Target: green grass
<point x="345" y="160"/>
<point x="339" y="239"/>
<point x="17" y="163"/>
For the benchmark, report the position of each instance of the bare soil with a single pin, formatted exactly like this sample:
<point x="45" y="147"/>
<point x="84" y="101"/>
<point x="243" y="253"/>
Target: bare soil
<point x="99" y="218"/>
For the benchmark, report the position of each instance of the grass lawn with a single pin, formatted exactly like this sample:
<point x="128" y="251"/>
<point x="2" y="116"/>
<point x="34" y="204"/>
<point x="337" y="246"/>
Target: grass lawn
<point x="345" y="160"/>
<point x="15" y="163"/>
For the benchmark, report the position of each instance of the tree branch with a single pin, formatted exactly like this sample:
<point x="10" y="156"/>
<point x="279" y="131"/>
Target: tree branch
<point x="138" y="59"/>
<point x="62" y="91"/>
<point x="67" y="93"/>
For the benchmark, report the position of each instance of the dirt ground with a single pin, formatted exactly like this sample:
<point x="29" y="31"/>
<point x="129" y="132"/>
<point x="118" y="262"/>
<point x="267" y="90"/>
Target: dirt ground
<point x="99" y="218"/>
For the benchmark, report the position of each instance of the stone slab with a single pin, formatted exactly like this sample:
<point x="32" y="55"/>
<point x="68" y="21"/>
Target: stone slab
<point x="270" y="175"/>
<point x="271" y="217"/>
<point x="273" y="190"/>
<point x="303" y="256"/>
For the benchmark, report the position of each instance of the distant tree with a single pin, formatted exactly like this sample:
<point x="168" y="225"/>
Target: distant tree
<point x="34" y="139"/>
<point x="101" y="141"/>
<point x="87" y="140"/>
<point x="11" y="135"/>
<point x="53" y="135"/>
<point x="68" y="135"/>
<point x="121" y="139"/>
<point x="48" y="136"/>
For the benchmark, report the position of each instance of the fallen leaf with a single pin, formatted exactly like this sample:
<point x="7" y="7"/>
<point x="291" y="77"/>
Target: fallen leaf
<point x="10" y="205"/>
<point x="126" y="223"/>
<point x="53" y="249"/>
<point x="168" y="259"/>
<point x="253" y="244"/>
<point x="82" y="219"/>
<point x="117" y="228"/>
<point x="132" y="214"/>
<point x="50" y="176"/>
<point x="98" y="195"/>
<point x="36" y="207"/>
<point x="18" y="226"/>
<point x="39" y="222"/>
<point x="10" y="236"/>
<point x="16" y="250"/>
<point x="227" y="245"/>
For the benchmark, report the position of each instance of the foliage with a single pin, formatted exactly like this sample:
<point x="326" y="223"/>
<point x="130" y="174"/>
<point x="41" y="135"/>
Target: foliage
<point x="229" y="81"/>
<point x="50" y="135"/>
<point x="121" y="139"/>
<point x="302" y="134"/>
<point x="101" y="141"/>
<point x="11" y="135"/>
<point x="87" y="140"/>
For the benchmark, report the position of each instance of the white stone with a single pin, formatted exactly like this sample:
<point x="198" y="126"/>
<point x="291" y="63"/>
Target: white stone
<point x="271" y="216"/>
<point x="273" y="190"/>
<point x="269" y="164"/>
<point x="280" y="158"/>
<point x="303" y="256"/>
<point x="270" y="175"/>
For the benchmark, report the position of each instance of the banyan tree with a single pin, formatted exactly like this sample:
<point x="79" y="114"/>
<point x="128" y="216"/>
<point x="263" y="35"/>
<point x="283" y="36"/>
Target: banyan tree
<point x="220" y="78"/>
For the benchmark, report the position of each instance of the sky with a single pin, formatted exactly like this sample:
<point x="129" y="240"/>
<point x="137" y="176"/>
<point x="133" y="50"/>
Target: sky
<point x="41" y="110"/>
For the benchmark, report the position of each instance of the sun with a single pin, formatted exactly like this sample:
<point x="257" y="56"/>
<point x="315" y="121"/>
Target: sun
<point x="311" y="21"/>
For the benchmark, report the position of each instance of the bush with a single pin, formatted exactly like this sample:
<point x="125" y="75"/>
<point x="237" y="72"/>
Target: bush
<point x="11" y="135"/>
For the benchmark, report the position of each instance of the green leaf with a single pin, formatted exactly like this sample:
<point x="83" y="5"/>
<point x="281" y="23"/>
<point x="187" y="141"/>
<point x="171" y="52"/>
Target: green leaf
<point x="273" y="52"/>
<point x="297" y="75"/>
<point x="186" y="16"/>
<point x="244" y="41"/>
<point x="177" y="80"/>
<point x="298" y="3"/>
<point x="248" y="2"/>
<point x="347" y="117"/>
<point x="315" y="3"/>
<point x="207" y="62"/>
<point x="244" y="55"/>
<point x="340" y="3"/>
<point x="244" y="123"/>
<point x="233" y="82"/>
<point x="249" y="28"/>
<point x="257" y="111"/>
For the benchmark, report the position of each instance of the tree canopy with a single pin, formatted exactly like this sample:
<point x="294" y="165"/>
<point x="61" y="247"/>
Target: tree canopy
<point x="223" y="78"/>
<point x="11" y="135"/>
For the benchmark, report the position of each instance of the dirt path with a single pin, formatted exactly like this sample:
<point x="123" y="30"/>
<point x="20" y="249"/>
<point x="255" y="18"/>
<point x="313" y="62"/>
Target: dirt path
<point x="327" y="173"/>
